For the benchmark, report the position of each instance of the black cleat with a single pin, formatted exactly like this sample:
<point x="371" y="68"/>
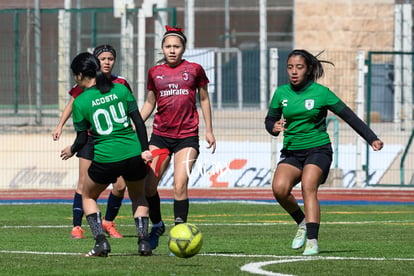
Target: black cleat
<point x="101" y="249"/>
<point x="144" y="248"/>
<point x="155" y="234"/>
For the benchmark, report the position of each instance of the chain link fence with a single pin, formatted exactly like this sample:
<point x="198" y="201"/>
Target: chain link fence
<point x="245" y="156"/>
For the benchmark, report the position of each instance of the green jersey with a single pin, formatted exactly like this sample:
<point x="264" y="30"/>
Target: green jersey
<point x="305" y="112"/>
<point x="106" y="116"/>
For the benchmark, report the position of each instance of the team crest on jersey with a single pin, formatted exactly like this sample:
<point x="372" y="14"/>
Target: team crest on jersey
<point x="309" y="104"/>
<point x="185" y="76"/>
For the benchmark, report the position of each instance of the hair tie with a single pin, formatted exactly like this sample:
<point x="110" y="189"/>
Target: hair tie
<point x="173" y="29"/>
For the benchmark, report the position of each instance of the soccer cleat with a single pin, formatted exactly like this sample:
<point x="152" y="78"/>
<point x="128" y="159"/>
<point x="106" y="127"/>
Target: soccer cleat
<point x="155" y="234"/>
<point x="101" y="249"/>
<point x="311" y="247"/>
<point x="144" y="248"/>
<point x="77" y="233"/>
<point x="109" y="227"/>
<point x="299" y="239"/>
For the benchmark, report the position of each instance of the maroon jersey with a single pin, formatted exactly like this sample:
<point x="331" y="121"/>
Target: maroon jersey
<point x="175" y="90"/>
<point x="76" y="90"/>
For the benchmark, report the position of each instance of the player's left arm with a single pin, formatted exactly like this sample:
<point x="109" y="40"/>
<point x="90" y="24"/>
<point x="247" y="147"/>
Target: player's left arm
<point x="141" y="131"/>
<point x="206" y="109"/>
<point x="346" y="114"/>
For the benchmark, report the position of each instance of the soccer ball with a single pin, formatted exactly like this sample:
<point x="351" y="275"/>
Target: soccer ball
<point x="185" y="240"/>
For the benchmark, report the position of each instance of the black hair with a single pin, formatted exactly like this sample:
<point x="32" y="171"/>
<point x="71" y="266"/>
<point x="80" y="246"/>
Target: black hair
<point x="104" y="48"/>
<point x="312" y="62"/>
<point x="89" y="66"/>
<point x="172" y="31"/>
<point x="175" y="32"/>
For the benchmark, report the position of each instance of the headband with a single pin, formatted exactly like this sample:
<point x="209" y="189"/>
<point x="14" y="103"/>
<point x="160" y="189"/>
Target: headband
<point x="174" y="31"/>
<point x="99" y="51"/>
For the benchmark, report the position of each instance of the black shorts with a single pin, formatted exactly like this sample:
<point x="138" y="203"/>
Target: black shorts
<point x="320" y="156"/>
<point x="174" y="145"/>
<point x="87" y="150"/>
<point x="131" y="169"/>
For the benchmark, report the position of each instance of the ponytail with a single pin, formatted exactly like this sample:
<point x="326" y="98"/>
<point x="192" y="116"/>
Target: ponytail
<point x="103" y="84"/>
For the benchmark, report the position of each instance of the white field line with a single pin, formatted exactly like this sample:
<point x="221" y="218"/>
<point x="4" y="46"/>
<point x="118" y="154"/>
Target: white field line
<point x="281" y="257"/>
<point x="253" y="267"/>
<point x="257" y="267"/>
<point x="404" y="222"/>
<point x="38" y="252"/>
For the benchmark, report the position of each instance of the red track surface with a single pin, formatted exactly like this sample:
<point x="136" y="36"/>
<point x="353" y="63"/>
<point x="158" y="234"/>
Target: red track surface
<point x="328" y="194"/>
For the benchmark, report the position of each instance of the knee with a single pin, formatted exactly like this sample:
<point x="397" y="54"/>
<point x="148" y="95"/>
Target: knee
<point x="280" y="193"/>
<point x="118" y="188"/>
<point x="180" y="191"/>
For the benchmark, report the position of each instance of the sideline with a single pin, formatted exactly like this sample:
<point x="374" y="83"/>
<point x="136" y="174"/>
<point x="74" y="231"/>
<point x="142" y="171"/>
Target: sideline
<point x="269" y="223"/>
<point x="327" y="196"/>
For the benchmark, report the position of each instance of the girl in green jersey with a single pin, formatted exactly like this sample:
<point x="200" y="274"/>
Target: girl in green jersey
<point x="107" y="56"/>
<point x="106" y="110"/>
<point x="299" y="109"/>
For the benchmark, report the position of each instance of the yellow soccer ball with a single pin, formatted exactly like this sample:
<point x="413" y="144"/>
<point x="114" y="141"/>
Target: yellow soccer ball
<point x="185" y="240"/>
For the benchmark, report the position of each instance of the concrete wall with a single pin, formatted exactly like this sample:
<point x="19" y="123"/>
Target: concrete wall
<point x="344" y="25"/>
<point x="342" y="28"/>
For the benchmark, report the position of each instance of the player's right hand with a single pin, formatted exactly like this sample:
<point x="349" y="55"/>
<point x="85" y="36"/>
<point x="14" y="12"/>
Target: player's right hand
<point x="146" y="156"/>
<point x="56" y="134"/>
<point x="279" y="126"/>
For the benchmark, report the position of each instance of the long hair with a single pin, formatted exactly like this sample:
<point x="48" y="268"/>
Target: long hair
<point x="312" y="62"/>
<point x="89" y="66"/>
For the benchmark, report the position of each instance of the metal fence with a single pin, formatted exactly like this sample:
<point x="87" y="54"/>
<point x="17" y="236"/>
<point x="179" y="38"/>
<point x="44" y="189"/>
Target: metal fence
<point x="246" y="153"/>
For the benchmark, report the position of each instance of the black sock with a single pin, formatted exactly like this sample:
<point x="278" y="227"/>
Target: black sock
<point x="154" y="204"/>
<point x="77" y="210"/>
<point x="112" y="209"/>
<point x="312" y="229"/>
<point x="298" y="215"/>
<point x="95" y="223"/>
<point x="142" y="226"/>
<point x="100" y="237"/>
<point x="181" y="208"/>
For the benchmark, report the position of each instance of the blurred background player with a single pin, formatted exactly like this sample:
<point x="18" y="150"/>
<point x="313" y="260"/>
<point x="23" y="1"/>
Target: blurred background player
<point x="299" y="109"/>
<point x="107" y="56"/>
<point x="106" y="110"/>
<point x="172" y="87"/>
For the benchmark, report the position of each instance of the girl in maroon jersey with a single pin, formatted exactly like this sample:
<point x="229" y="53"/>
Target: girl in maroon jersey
<point x="107" y="56"/>
<point x="172" y="87"/>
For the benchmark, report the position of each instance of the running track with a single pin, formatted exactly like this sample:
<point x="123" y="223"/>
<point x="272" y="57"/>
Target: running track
<point x="328" y="196"/>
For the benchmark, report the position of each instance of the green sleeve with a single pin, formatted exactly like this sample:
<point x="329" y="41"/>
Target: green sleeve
<point x="79" y="121"/>
<point x="132" y="103"/>
<point x="334" y="103"/>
